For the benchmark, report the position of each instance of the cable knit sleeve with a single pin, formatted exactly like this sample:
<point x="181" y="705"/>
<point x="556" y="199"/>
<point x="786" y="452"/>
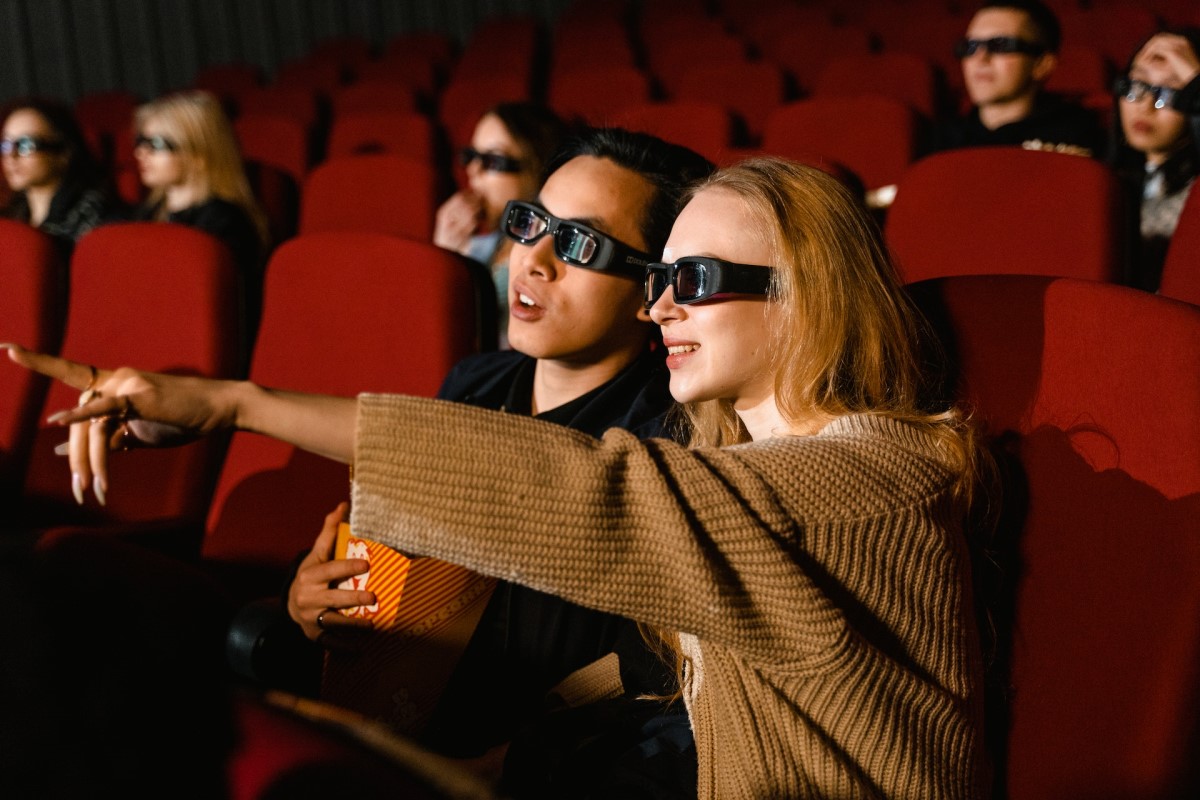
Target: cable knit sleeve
<point x="716" y="543"/>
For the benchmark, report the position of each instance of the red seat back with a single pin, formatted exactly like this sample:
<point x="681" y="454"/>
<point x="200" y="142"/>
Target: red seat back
<point x="1181" y="270"/>
<point x="160" y="297"/>
<point x="597" y="93"/>
<point x="399" y="133"/>
<point x="275" y="139"/>
<point x="1093" y="387"/>
<point x="873" y="137"/>
<point x="380" y="193"/>
<point x="1004" y="210"/>
<point x="751" y="90"/>
<point x="703" y="127"/>
<point x="900" y="76"/>
<point x="32" y="307"/>
<point x="343" y="313"/>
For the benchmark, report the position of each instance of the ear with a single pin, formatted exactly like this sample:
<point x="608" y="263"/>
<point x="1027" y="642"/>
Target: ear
<point x="1042" y="68"/>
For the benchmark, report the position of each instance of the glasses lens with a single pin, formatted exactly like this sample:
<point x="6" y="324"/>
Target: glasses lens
<point x="656" y="284"/>
<point x="691" y="279"/>
<point x="575" y="246"/>
<point x="966" y="47"/>
<point x="524" y="224"/>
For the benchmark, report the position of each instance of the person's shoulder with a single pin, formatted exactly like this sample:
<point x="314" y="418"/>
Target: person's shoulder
<point x="480" y="374"/>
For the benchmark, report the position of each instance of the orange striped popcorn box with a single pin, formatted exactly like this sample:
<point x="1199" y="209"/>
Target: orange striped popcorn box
<point x="426" y="612"/>
<point x="386" y="576"/>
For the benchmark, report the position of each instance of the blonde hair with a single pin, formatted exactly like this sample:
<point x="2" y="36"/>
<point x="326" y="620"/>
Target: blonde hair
<point x="847" y="338"/>
<point x="196" y="123"/>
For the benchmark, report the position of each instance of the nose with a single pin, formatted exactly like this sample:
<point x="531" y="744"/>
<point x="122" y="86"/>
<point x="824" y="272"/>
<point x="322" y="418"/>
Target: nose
<point x="537" y="259"/>
<point x="665" y="310"/>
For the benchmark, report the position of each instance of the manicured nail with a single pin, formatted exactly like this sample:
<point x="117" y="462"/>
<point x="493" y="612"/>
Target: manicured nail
<point x="98" y="489"/>
<point x="77" y="487"/>
<point x="62" y="449"/>
<point x="55" y="417"/>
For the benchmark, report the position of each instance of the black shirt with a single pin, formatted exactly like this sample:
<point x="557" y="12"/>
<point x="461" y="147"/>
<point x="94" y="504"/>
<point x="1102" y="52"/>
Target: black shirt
<point x="527" y="641"/>
<point x="1053" y="121"/>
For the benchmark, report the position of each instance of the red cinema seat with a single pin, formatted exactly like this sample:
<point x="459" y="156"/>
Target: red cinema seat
<point x="343" y="313"/>
<point x="750" y="90"/>
<point x="379" y="193"/>
<point x="410" y="70"/>
<point x="589" y="45"/>
<point x="900" y="76"/>
<point x="874" y="137"/>
<point x="466" y="98"/>
<point x="1090" y="391"/>
<point x="597" y="93"/>
<point x="298" y="103"/>
<point x="1004" y="210"/>
<point x="400" y="133"/>
<point x="228" y="80"/>
<point x="1081" y="72"/>
<point x="318" y="76"/>
<point x="804" y="52"/>
<point x="32" y="307"/>
<point x="107" y="120"/>
<point x="1181" y="271"/>
<point x="160" y="297"/>
<point x="374" y="96"/>
<point x="703" y="127"/>
<point x="277" y="140"/>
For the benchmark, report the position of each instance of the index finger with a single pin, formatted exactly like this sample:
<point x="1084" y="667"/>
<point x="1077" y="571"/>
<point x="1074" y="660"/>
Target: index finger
<point x="71" y="373"/>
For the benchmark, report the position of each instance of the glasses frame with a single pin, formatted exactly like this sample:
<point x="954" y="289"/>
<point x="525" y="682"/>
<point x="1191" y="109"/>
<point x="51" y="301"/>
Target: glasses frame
<point x="1132" y="90"/>
<point x="26" y="146"/>
<point x="610" y="255"/>
<point x="719" y="277"/>
<point x="491" y="162"/>
<point x="997" y="45"/>
<point x="156" y="144"/>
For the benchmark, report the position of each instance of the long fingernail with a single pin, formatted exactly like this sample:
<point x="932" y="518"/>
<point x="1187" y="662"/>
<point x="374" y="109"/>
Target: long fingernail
<point x="77" y="487"/>
<point x="62" y="449"/>
<point x="99" y="488"/>
<point x="53" y="418"/>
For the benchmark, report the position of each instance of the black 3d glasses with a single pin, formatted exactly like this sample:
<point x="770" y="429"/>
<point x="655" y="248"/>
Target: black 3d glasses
<point x="998" y="45"/>
<point x="1132" y="90"/>
<point x="28" y="145"/>
<point x="490" y="162"/>
<point x="697" y="278"/>
<point x="574" y="243"/>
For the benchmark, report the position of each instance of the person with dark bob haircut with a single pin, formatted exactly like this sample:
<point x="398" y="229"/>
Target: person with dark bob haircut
<point x="57" y="185"/>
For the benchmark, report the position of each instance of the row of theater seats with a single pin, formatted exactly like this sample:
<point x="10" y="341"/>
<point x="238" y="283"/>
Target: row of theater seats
<point x="1087" y="390"/>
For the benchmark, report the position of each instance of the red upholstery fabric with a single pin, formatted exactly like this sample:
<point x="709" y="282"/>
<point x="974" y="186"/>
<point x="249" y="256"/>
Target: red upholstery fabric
<point x="1081" y="71"/>
<point x="900" y="76"/>
<point x="275" y="139"/>
<point x="31" y="314"/>
<point x="399" y="133"/>
<point x="872" y="136"/>
<point x="500" y="46"/>
<point x="1181" y="271"/>
<point x="298" y="103"/>
<point x="703" y="127"/>
<point x="466" y="98"/>
<point x="227" y="80"/>
<point x="597" y="93"/>
<point x="374" y="96"/>
<point x="161" y="297"/>
<point x="751" y="90"/>
<point x="320" y="76"/>
<point x="1003" y="210"/>
<point x="588" y="44"/>
<point x="672" y="57"/>
<point x="1096" y="389"/>
<point x="805" y="51"/>
<point x="411" y="70"/>
<point x="380" y="193"/>
<point x="434" y="49"/>
<point x="343" y="313"/>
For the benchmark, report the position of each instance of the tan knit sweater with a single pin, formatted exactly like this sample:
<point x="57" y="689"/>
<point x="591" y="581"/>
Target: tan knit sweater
<point x="821" y="582"/>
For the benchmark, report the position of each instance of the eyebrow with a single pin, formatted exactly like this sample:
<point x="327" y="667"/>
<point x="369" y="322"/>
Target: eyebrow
<point x="591" y="222"/>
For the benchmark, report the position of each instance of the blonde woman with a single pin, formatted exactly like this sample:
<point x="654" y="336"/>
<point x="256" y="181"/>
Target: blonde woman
<point x="188" y="160"/>
<point x="806" y="556"/>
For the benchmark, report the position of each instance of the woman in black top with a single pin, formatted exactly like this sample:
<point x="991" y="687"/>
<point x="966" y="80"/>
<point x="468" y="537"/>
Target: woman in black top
<point x="58" y="187"/>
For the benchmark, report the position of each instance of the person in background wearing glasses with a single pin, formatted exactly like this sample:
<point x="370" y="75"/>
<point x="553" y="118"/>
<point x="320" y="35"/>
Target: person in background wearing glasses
<point x="188" y="160"/>
<point x="805" y="556"/>
<point x="1154" y="147"/>
<point x="57" y="184"/>
<point x="1009" y="51"/>
<point x="506" y="159"/>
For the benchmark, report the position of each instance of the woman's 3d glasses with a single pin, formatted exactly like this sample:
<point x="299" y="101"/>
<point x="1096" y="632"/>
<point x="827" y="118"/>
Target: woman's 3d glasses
<point x="23" y="146"/>
<point x="157" y="144"/>
<point x="1131" y="90"/>
<point x="490" y="162"/>
<point x="696" y="279"/>
<point x="997" y="45"/>
<point x="574" y="243"/>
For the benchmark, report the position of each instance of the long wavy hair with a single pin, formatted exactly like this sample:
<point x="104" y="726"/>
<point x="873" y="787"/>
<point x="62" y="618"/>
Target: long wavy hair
<point x="196" y="122"/>
<point x="849" y="339"/>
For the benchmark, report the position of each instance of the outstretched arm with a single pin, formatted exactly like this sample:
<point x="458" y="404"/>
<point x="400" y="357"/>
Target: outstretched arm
<point x="153" y="410"/>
